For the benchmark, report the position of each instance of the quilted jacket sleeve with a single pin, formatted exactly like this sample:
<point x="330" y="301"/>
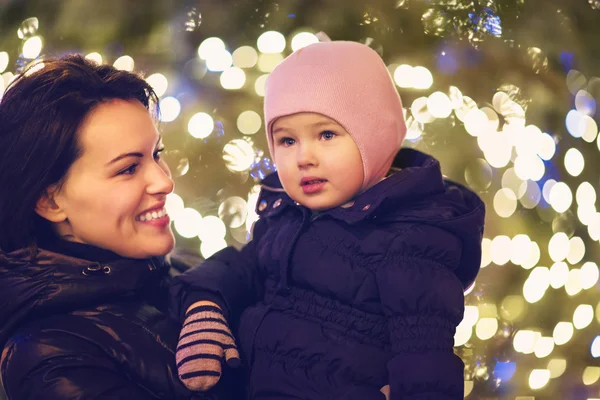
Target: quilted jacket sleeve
<point x="230" y="278"/>
<point x="424" y="302"/>
<point x="56" y="365"/>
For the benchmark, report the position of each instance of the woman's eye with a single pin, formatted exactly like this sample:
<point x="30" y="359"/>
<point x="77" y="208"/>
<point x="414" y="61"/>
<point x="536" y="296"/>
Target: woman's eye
<point x="157" y="153"/>
<point x="327" y="135"/>
<point x="130" y="170"/>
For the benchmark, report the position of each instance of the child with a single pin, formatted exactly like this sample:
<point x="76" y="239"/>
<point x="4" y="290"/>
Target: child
<point x="355" y="275"/>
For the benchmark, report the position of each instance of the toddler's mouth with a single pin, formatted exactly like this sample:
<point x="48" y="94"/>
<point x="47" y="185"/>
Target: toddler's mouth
<point x="311" y="181"/>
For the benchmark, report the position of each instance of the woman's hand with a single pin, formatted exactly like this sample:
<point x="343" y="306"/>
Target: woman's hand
<point x="204" y="343"/>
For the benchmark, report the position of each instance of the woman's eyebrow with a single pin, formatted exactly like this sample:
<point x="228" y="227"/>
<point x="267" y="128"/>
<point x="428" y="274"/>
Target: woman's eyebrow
<point x="131" y="154"/>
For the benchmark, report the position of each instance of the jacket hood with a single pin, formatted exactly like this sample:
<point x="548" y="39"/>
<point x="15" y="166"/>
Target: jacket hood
<point x="56" y="283"/>
<point x="416" y="192"/>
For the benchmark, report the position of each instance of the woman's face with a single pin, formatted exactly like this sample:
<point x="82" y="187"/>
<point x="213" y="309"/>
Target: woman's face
<point x="114" y="194"/>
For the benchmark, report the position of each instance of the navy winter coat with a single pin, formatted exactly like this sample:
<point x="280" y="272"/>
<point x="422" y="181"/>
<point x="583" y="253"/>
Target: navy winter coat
<point x="84" y="323"/>
<point x="337" y="304"/>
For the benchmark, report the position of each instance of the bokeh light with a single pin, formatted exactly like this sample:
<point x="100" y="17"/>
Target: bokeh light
<point x="219" y="60"/>
<point x="303" y="39"/>
<point x="271" y="42"/>
<point x="244" y="57"/>
<point x="169" y="109"/>
<point x="32" y="47"/>
<point x="249" y="122"/>
<point x="159" y="83"/>
<point x="95" y="57"/>
<point x="124" y="63"/>
<point x="201" y="125"/>
<point x="210" y="46"/>
<point x="186" y="223"/>
<point x="233" y="78"/>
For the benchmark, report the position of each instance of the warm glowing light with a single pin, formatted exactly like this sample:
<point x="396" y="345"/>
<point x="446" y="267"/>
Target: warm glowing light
<point x="259" y="85"/>
<point x="233" y="78"/>
<point x="271" y="42"/>
<point x="574" y="162"/>
<point x="573" y="285"/>
<point x="303" y="39"/>
<point x="585" y="195"/>
<point x="589" y="275"/>
<point x="559" y="246"/>
<point x="169" y="109"/>
<point x="422" y="78"/>
<point x="95" y="57"/>
<point x="561" y="197"/>
<point x="500" y="249"/>
<point x="539" y="378"/>
<point x="486" y="328"/>
<point x="512" y="307"/>
<point x="557" y="367"/>
<point x="211" y="228"/>
<point x="159" y="83"/>
<point x="559" y="274"/>
<point x="403" y="76"/>
<point x="520" y="247"/>
<point x="201" y="125"/>
<point x="583" y="316"/>
<point x="210" y="247"/>
<point x="536" y="284"/>
<point x="244" y="57"/>
<point x="32" y="47"/>
<point x="563" y="332"/>
<point x="124" y="63"/>
<point x="439" y="105"/>
<point x="187" y="222"/>
<point x="591" y="375"/>
<point x="219" y="60"/>
<point x="544" y="347"/>
<point x="268" y="62"/>
<point x="525" y="340"/>
<point x="249" y="122"/>
<point x="576" y="250"/>
<point x="505" y="203"/>
<point x="210" y="46"/>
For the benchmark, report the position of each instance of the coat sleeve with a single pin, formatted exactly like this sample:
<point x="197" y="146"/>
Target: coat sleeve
<point x="424" y="303"/>
<point x="230" y="278"/>
<point x="56" y="365"/>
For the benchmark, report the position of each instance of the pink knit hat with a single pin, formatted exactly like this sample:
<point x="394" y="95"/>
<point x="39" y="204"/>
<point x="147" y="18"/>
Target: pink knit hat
<point x="349" y="83"/>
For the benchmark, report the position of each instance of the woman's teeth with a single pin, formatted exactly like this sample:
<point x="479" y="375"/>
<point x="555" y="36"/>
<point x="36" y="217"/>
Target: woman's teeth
<point x="149" y="216"/>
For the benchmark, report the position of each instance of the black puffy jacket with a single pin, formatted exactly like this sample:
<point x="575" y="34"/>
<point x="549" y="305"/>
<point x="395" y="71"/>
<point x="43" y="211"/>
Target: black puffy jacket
<point x="77" y="329"/>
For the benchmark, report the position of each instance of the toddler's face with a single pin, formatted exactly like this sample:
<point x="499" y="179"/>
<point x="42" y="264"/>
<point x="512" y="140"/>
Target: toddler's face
<point x="318" y="162"/>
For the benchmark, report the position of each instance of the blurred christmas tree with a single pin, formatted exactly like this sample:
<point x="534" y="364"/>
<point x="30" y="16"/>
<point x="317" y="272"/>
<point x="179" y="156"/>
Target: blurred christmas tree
<point x="502" y="92"/>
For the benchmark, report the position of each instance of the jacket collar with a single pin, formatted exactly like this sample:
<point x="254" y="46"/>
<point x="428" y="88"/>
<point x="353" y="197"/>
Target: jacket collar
<point x="56" y="283"/>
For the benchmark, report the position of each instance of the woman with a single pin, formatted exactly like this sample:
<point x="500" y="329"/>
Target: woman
<point x="84" y="232"/>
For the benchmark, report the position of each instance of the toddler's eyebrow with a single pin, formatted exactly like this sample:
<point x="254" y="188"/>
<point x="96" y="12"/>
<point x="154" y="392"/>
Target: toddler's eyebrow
<point x="315" y="125"/>
<point x="278" y="130"/>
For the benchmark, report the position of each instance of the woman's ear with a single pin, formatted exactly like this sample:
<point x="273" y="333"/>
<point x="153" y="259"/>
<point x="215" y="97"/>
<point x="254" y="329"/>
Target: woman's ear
<point x="47" y="208"/>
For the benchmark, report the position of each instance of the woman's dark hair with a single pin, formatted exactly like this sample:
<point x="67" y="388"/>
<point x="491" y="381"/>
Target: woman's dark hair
<point x="40" y="115"/>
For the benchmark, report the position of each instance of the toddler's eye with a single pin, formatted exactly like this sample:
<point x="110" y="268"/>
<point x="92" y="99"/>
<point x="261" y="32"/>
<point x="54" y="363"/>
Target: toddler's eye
<point x="286" y="141"/>
<point x="327" y="135"/>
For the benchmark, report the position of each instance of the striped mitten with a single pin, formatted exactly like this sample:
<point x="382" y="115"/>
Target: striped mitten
<point x="204" y="343"/>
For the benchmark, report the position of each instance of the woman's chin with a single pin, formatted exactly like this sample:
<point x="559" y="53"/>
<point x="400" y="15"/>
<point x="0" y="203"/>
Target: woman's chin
<point x="156" y="247"/>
